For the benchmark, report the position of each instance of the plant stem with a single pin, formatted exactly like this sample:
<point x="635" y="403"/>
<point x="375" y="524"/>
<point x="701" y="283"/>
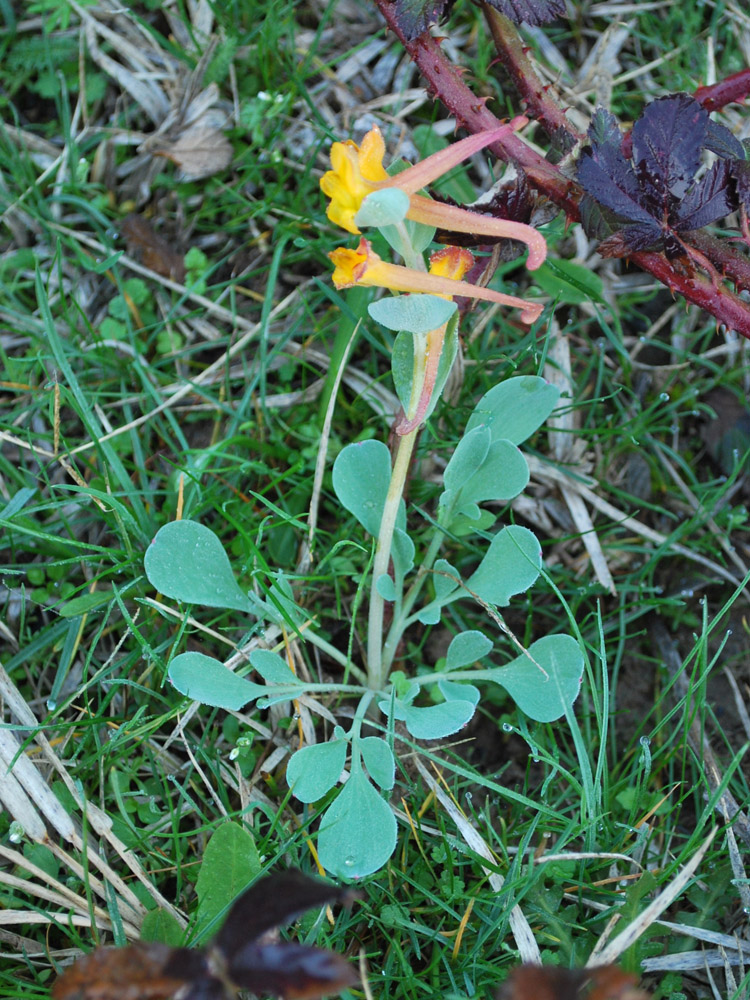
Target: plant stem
<point x="376" y="670"/>
<point x="397" y="625"/>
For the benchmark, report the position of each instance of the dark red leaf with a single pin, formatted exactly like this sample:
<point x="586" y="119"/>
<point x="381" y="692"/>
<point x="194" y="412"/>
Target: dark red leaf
<point x="135" y="973"/>
<point x="740" y="170"/>
<point x="415" y="16"/>
<point x="617" y="191"/>
<point x="721" y="141"/>
<point x="530" y="11"/>
<point x="630" y="239"/>
<point x="290" y="970"/>
<point x="710" y="199"/>
<point x="667" y="143"/>
<point x="272" y="902"/>
<point x="208" y="988"/>
<point x="659" y="197"/>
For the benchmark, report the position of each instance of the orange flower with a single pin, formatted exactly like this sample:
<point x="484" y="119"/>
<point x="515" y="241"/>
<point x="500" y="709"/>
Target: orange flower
<point x="364" y="267"/>
<point x="358" y="171"/>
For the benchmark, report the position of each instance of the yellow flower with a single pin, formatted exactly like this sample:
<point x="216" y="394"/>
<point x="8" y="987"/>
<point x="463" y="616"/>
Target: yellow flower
<point x="364" y="267"/>
<point x="358" y="171"/>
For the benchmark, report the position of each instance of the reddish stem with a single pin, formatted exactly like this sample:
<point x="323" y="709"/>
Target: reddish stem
<point x="731" y="90"/>
<point x="718" y="300"/>
<point x="540" y="100"/>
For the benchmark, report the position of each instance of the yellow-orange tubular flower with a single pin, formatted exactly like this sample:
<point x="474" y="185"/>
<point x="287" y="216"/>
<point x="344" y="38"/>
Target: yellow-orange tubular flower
<point x="358" y="171"/>
<point x="364" y="267"/>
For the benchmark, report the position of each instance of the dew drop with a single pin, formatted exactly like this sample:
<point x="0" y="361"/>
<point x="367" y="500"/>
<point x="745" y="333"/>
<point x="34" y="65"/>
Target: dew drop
<point x="507" y="728"/>
<point x="349" y="862"/>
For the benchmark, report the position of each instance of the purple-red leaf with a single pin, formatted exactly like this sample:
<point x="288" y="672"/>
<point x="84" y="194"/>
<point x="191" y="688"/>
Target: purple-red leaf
<point x="530" y="11"/>
<point x="616" y="190"/>
<point x="630" y="239"/>
<point x="667" y="143"/>
<point x="657" y="196"/>
<point x="709" y="200"/>
<point x="721" y="141"/>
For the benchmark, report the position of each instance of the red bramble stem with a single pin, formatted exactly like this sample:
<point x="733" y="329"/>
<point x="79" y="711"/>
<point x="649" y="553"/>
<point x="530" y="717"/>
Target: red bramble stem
<point x="717" y="95"/>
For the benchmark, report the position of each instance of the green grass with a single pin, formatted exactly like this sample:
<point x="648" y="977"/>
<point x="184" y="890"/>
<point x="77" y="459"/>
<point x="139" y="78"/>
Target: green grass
<point x="126" y="399"/>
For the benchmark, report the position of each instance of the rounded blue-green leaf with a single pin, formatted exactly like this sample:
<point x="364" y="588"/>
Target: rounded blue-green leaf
<point x="314" y="770"/>
<point x="187" y="562"/>
<point x="416" y="313"/>
<point x="208" y="681"/>
<point x="466" y="648"/>
<point x="459" y="691"/>
<point x="436" y="721"/>
<point x="467" y="457"/>
<point x="361" y="476"/>
<point x="272" y="668"/>
<point x="358" y="831"/>
<point x="386" y="207"/>
<point x="515" y="408"/>
<point x="510" y="566"/>
<point x="379" y="761"/>
<point x="386" y="587"/>
<point x="545" y="682"/>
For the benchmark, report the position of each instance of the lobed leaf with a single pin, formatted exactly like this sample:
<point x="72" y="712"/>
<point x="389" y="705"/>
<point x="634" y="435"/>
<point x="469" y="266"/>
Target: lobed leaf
<point x="467" y="648"/>
<point x="378" y="758"/>
<point x="515" y="408"/>
<point x="361" y="476"/>
<point x="417" y="313"/>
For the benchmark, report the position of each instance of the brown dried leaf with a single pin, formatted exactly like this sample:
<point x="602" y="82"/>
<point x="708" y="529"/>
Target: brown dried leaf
<point x="152" y="250"/>
<point x="202" y="150"/>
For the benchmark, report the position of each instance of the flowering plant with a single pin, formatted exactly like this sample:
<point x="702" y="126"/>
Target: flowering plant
<point x="358" y="830"/>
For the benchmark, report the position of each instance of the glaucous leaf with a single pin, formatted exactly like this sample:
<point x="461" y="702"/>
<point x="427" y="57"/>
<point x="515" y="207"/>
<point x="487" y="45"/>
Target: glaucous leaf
<point x="386" y="207"/>
<point x="361" y="476"/>
<point x="378" y="758"/>
<point x="208" y="681"/>
<point x="187" y="562"/>
<point x="358" y="830"/>
<point x="434" y="722"/>
<point x="510" y="566"/>
<point x="272" y="668"/>
<point x="545" y="682"/>
<point x="417" y="313"/>
<point x="467" y="648"/>
<point x="515" y="408"/>
<point x="313" y="771"/>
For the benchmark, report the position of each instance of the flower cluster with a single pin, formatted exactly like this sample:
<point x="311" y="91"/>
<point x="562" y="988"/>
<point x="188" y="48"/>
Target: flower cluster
<point x="361" y="192"/>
